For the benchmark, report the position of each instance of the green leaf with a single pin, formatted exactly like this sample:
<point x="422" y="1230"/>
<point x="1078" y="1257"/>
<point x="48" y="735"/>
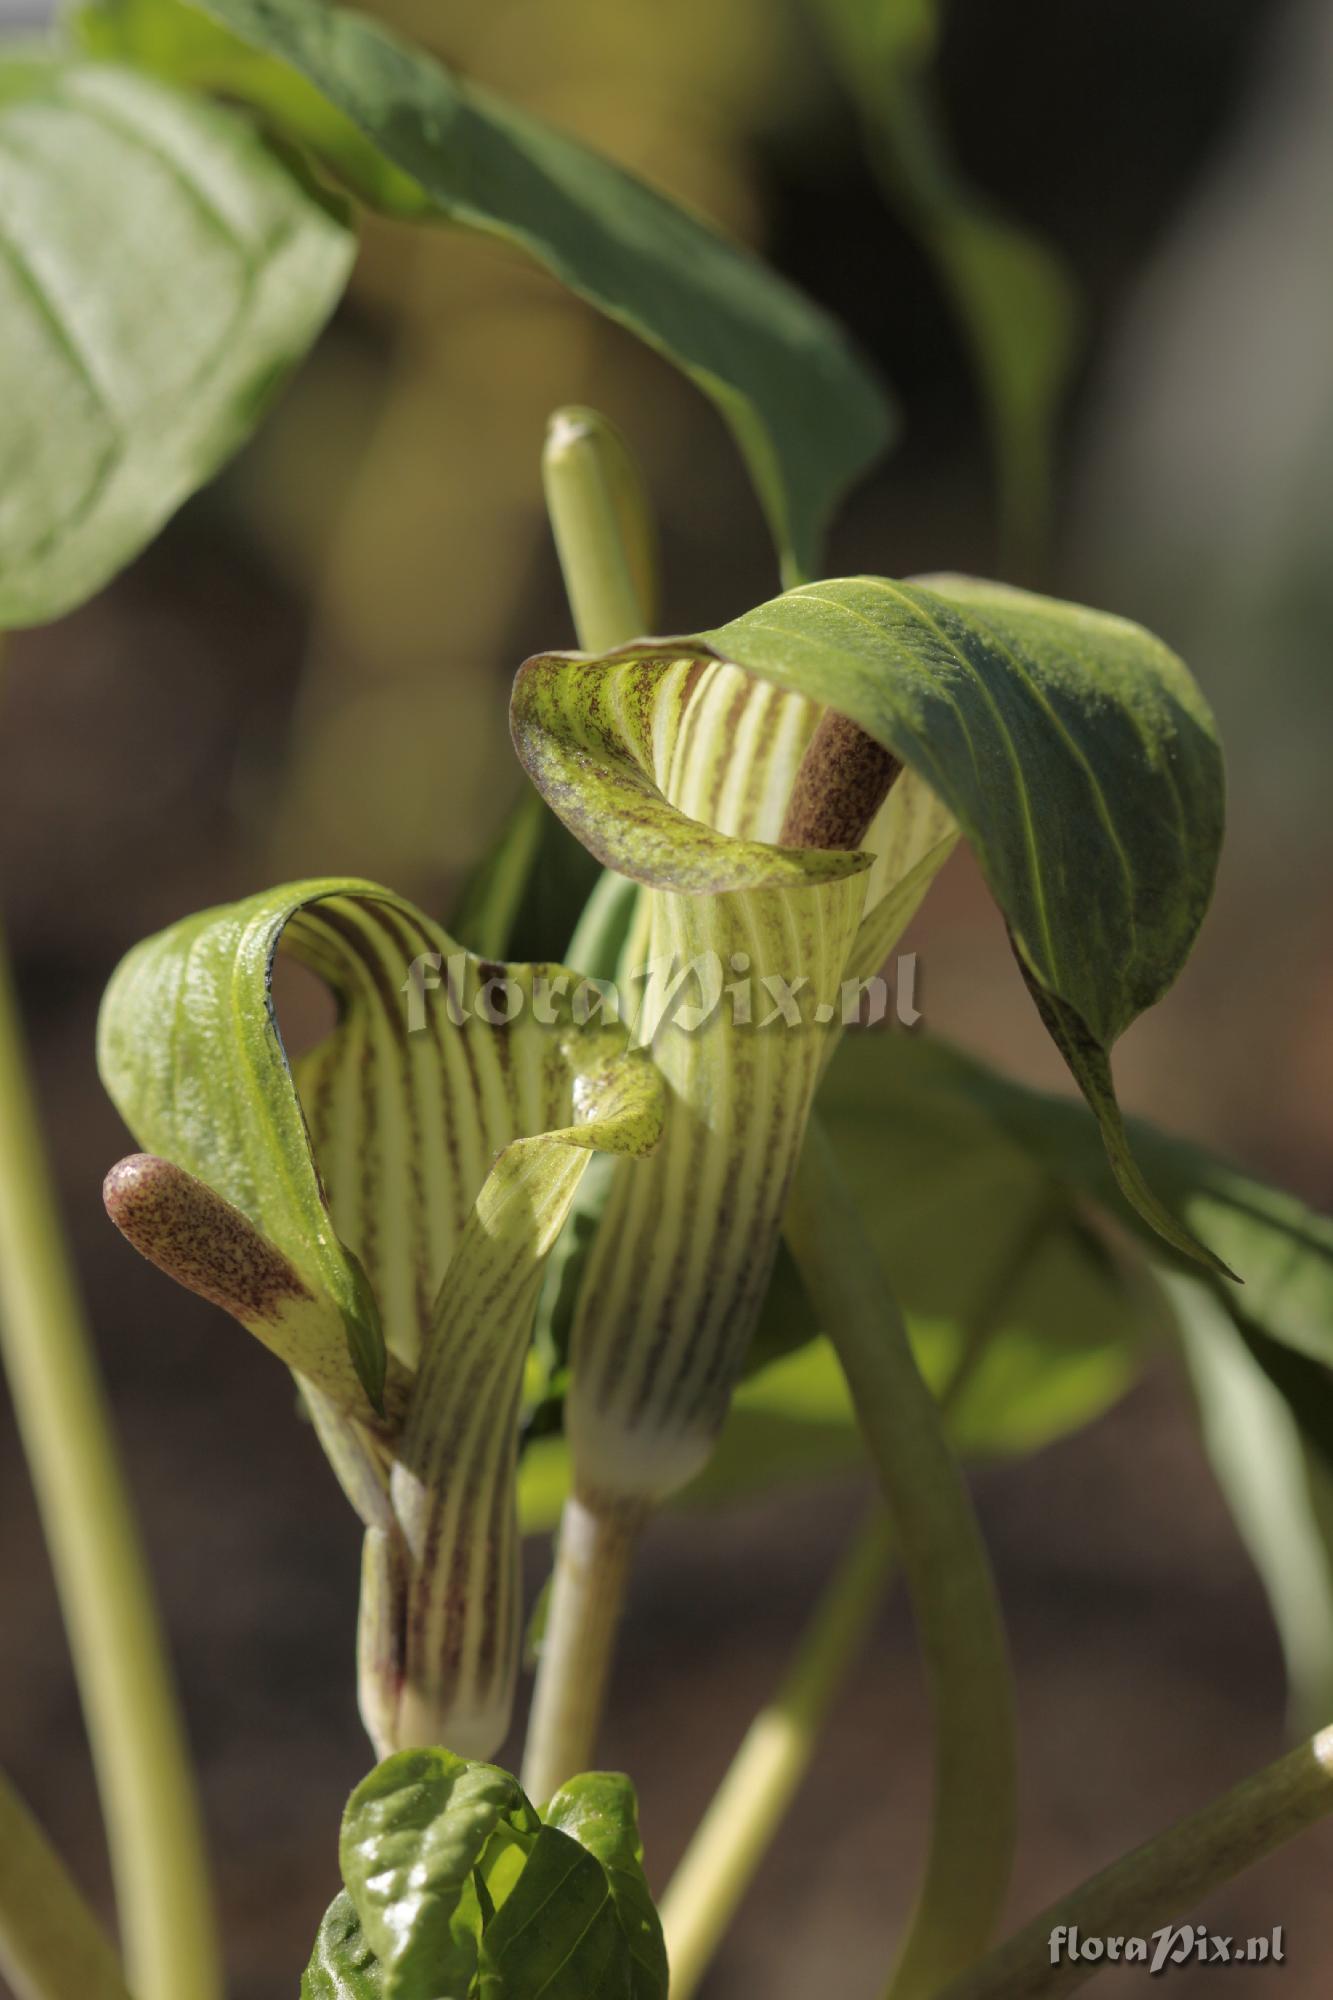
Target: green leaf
<point x="580" y="1923"/>
<point x="1079" y="760"/>
<point x="983" y="1244"/>
<point x="599" y="1810"/>
<point x="457" y="1887"/>
<point x="160" y="271"/>
<point x="1278" y="1491"/>
<point x="806" y="414"/>
<point x="342" y="1965"/>
<point x="1282" y="1251"/>
<point x="1015" y="298"/>
<point x="415" y="1835"/>
<point x="1260" y="1353"/>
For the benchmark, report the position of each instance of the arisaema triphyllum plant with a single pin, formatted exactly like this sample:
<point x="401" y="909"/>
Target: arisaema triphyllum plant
<point x="677" y="1215"/>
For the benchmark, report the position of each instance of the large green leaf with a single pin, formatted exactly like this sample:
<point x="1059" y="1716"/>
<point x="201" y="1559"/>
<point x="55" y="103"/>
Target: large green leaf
<point x="579" y="1923"/>
<point x="457" y="1887"/>
<point x="1071" y="748"/>
<point x="1014" y="296"/>
<point x="416" y="1835"/>
<point x="415" y="1171"/>
<point x="1007" y="1294"/>
<point x="1282" y="1251"/>
<point x="1260" y="1353"/>
<point x="160" y="271"/>
<point x="804" y="411"/>
<point x="342" y="1965"/>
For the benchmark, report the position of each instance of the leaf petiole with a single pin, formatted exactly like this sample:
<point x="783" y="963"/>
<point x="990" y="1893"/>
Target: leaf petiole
<point x="947" y="1572"/>
<point x="134" y="1725"/>
<point x="1156" y="1882"/>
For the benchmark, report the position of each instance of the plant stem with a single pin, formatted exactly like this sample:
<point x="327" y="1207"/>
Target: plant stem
<point x="138" y="1745"/>
<point x="51" y="1945"/>
<point x="1163" y="1879"/>
<point x="948" y="1576"/>
<point x="592" y="1567"/>
<point x="743" y="1818"/>
<point x="606" y="540"/>
<point x="603" y="529"/>
<point x="735" y="1833"/>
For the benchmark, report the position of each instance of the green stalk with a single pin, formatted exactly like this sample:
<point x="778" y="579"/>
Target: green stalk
<point x="134" y="1728"/>
<point x="742" y="1821"/>
<point x="51" y="1945"/>
<point x="604" y="536"/>
<point x="746" y="1810"/>
<point x="594" y="1552"/>
<point x="1162" y="1880"/>
<point x="603" y="529"/>
<point x="947" y="1572"/>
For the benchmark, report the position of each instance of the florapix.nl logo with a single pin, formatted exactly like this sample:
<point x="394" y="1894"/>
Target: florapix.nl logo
<point x="690" y="995"/>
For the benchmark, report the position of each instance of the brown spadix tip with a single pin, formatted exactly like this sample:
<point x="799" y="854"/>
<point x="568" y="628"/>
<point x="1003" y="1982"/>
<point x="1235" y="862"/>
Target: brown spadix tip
<point x="178" y="1223"/>
<point x="201" y="1240"/>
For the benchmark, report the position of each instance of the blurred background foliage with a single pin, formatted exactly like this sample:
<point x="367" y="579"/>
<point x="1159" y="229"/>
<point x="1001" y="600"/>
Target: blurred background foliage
<point x="1089" y="249"/>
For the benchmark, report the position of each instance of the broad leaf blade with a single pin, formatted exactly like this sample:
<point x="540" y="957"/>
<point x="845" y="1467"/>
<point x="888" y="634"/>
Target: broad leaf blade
<point x="607" y="1941"/>
<point x="138" y="353"/>
<point x="983" y="1244"/>
<point x="413" y="1834"/>
<point x="1281" y="1250"/>
<point x="806" y="414"/>
<point x="342" y="1965"/>
<point x="1078" y="759"/>
<point x="556" y="1935"/>
<point x="599" y="1810"/>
